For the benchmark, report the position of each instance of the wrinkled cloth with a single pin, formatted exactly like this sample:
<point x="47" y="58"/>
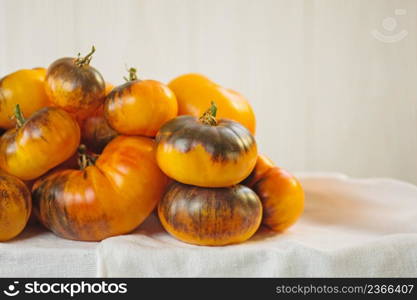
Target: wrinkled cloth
<point x="350" y="228"/>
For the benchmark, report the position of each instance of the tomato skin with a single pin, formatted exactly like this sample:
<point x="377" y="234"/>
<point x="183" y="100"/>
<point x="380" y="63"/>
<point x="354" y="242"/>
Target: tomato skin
<point x="195" y="92"/>
<point x="23" y="87"/>
<point x="111" y="197"/>
<point x="140" y="107"/>
<point x="210" y="216"/>
<point x="281" y="194"/>
<point x="205" y="155"/>
<point x="15" y="206"/>
<point x="79" y="90"/>
<point x="96" y="131"/>
<point x="49" y="137"/>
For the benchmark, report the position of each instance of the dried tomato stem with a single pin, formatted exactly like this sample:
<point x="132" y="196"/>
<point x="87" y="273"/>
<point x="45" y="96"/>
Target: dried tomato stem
<point x="132" y="75"/>
<point x="84" y="160"/>
<point x="83" y="61"/>
<point x="209" y="116"/>
<point x="20" y="119"/>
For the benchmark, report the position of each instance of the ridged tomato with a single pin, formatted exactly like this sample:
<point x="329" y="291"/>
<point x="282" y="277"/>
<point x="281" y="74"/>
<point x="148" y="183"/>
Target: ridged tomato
<point x="110" y="195"/>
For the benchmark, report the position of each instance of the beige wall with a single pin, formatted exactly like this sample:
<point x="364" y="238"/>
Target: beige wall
<point x="329" y="96"/>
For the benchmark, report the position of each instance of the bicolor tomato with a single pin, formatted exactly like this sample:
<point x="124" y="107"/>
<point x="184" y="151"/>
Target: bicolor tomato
<point x="75" y="86"/>
<point x="15" y="206"/>
<point x="47" y="138"/>
<point x="206" y="152"/>
<point x="210" y="216"/>
<point x="109" y="195"/>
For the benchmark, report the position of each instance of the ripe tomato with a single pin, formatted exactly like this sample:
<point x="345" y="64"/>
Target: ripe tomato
<point x="206" y="152"/>
<point x="15" y="206"/>
<point x="96" y="132"/>
<point x="195" y="92"/>
<point x="49" y="137"/>
<point x="140" y="107"/>
<point x="210" y="216"/>
<point x="23" y="87"/>
<point x="75" y="86"/>
<point x="110" y="195"/>
<point x="281" y="194"/>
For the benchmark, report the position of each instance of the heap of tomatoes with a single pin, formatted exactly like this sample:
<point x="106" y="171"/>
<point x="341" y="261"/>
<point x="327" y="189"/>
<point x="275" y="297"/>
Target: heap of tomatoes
<point x="93" y="161"/>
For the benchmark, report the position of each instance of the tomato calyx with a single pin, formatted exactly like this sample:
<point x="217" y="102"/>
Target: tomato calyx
<point x="18" y="115"/>
<point x="85" y="159"/>
<point x="84" y="61"/>
<point x="209" y="116"/>
<point x="132" y="75"/>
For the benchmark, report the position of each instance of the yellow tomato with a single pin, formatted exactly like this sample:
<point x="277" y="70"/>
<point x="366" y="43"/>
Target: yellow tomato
<point x="15" y="206"/>
<point x="46" y="139"/>
<point x="195" y="92"/>
<point x="23" y="87"/>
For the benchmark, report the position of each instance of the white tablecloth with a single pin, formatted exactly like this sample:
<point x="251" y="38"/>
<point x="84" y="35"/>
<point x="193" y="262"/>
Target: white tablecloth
<point x="350" y="227"/>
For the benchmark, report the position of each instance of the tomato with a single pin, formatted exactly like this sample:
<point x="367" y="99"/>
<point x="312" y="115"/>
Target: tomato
<point x="108" y="88"/>
<point x="15" y="206"/>
<point x="23" y="87"/>
<point x="206" y="152"/>
<point x="281" y="194"/>
<point x="49" y="137"/>
<point x="75" y="86"/>
<point x="96" y="132"/>
<point x="110" y="195"/>
<point x="140" y="107"/>
<point x="195" y="92"/>
<point x="210" y="216"/>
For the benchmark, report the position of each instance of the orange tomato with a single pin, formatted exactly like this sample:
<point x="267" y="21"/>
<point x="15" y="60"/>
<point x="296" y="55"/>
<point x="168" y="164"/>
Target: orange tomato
<point x="195" y="92"/>
<point x="23" y="87"/>
<point x="281" y="194"/>
<point x="75" y="86"/>
<point x="49" y="137"/>
<point x="210" y="216"/>
<point x="110" y="195"/>
<point x="140" y="107"/>
<point x="96" y="132"/>
<point x="15" y="206"/>
<point x="108" y="88"/>
<point x="206" y="152"/>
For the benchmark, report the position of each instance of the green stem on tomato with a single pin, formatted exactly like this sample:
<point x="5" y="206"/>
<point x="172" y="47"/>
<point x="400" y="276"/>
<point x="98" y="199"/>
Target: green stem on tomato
<point x="132" y="75"/>
<point x="85" y="61"/>
<point x="209" y="116"/>
<point x="84" y="159"/>
<point x="20" y="119"/>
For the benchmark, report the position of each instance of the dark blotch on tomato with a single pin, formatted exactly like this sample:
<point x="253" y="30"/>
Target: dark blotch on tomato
<point x="87" y="78"/>
<point x="223" y="142"/>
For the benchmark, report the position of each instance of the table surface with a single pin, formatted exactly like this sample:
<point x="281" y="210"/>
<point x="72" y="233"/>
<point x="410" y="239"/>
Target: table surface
<point x="350" y="227"/>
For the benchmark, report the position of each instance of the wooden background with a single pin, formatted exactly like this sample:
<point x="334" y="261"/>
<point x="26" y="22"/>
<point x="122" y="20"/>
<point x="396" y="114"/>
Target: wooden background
<point x="328" y="95"/>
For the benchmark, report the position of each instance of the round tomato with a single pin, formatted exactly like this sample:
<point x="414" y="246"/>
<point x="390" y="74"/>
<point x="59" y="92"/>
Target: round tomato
<point x="75" y="86"/>
<point x="110" y="195"/>
<point x="195" y="92"/>
<point x="210" y="216"/>
<point x="15" y="206"/>
<point x="206" y="152"/>
<point x="96" y="132"/>
<point x="140" y="107"/>
<point x="46" y="139"/>
<point x="23" y="87"/>
<point x="281" y="194"/>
